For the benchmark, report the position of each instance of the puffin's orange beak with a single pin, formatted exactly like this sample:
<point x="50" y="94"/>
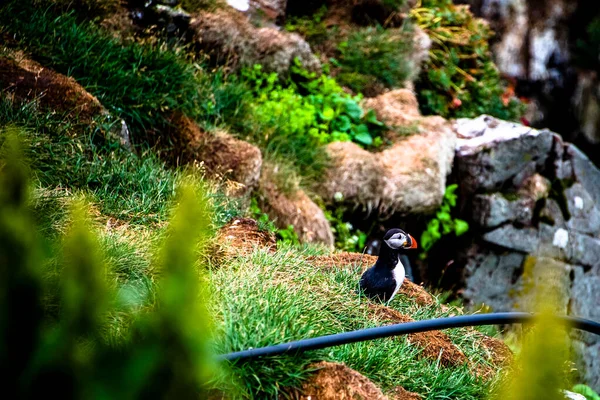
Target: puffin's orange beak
<point x="413" y="242"/>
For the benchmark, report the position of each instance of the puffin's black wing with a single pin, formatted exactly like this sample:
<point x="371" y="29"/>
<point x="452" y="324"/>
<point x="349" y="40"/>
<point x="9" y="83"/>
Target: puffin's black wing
<point x="377" y="284"/>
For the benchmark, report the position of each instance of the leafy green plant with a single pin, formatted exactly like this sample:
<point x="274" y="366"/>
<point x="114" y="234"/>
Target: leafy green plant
<point x="460" y="78"/>
<point x="585" y="391"/>
<point x="443" y="223"/>
<point x="376" y="52"/>
<point x="312" y="106"/>
<point x="347" y="237"/>
<point x="312" y="28"/>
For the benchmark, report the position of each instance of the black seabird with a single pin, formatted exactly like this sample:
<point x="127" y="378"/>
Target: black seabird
<point x="383" y="280"/>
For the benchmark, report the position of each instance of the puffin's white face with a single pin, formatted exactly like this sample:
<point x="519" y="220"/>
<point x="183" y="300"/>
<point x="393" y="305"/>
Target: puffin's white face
<point x="397" y="240"/>
<point x="401" y="240"/>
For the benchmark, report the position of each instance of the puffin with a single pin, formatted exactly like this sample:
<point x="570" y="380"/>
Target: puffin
<point x="383" y="280"/>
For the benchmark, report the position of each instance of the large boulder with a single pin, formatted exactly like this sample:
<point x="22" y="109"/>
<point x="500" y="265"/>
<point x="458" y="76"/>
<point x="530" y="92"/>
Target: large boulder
<point x="490" y="151"/>
<point x="229" y="38"/>
<point x="409" y="177"/>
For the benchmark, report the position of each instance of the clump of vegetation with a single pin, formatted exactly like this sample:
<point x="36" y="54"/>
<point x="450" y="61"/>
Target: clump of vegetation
<point x="460" y="78"/>
<point x="91" y="9"/>
<point x="443" y="223"/>
<point x="347" y="237"/>
<point x="312" y="28"/>
<point x="376" y="54"/>
<point x="293" y="119"/>
<point x="588" y="46"/>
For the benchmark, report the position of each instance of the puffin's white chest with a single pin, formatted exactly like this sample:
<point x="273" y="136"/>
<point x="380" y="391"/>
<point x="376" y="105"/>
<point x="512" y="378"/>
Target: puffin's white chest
<point x="398" y="273"/>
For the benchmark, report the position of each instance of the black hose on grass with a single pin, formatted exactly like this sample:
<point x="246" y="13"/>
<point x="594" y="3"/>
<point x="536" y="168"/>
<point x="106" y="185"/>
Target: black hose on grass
<point x="402" y="329"/>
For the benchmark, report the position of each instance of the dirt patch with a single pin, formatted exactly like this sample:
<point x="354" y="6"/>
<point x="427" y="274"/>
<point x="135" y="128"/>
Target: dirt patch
<point x="240" y="237"/>
<point x="499" y="353"/>
<point x="399" y="393"/>
<point x="26" y="80"/>
<point x="435" y="344"/>
<point x="344" y="259"/>
<point x="335" y="381"/>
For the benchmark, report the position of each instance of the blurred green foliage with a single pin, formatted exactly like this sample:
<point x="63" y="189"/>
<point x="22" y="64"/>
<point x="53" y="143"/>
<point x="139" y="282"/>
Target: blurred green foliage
<point x="585" y="391"/>
<point x="165" y="352"/>
<point x="460" y="78"/>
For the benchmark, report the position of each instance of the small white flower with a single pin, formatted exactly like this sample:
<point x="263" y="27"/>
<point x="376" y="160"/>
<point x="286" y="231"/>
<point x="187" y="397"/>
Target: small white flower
<point x="338" y="196"/>
<point x="578" y="202"/>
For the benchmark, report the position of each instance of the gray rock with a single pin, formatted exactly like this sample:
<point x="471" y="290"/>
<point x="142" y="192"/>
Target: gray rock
<point x="490" y="151"/>
<point x="490" y="279"/>
<point x="587" y="362"/>
<point x="492" y="210"/>
<point x="585" y="216"/>
<point x="584" y="171"/>
<point x="552" y="213"/>
<point x="525" y="240"/>
<point x="548" y="241"/>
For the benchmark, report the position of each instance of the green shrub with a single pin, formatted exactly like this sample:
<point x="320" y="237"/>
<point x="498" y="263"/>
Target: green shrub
<point x="295" y="118"/>
<point x="588" y="46"/>
<point x="165" y="352"/>
<point x="443" y="223"/>
<point x="312" y="28"/>
<point x="460" y="78"/>
<point x="377" y="52"/>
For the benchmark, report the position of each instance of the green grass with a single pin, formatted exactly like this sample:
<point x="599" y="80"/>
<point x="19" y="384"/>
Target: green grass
<point x="279" y="297"/>
<point x="130" y="187"/>
<point x="143" y="84"/>
<point x="383" y="54"/>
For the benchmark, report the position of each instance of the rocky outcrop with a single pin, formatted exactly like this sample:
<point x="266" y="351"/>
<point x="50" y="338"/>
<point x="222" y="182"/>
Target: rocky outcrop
<point x="533" y="204"/>
<point x="408" y="177"/>
<point x="230" y="39"/>
<point x="546" y="48"/>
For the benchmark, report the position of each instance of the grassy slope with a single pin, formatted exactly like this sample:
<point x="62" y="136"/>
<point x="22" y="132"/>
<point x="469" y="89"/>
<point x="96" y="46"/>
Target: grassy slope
<point x="272" y="298"/>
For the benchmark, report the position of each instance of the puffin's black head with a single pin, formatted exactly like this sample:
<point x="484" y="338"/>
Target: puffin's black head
<point x="398" y="239"/>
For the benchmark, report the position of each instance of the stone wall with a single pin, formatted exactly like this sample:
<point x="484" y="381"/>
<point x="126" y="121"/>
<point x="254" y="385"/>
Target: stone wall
<point x="533" y="203"/>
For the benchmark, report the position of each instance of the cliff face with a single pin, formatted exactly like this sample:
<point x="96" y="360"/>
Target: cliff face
<point x="549" y="49"/>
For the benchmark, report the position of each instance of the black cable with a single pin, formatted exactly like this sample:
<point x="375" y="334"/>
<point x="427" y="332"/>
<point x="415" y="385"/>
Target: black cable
<point x="402" y="329"/>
